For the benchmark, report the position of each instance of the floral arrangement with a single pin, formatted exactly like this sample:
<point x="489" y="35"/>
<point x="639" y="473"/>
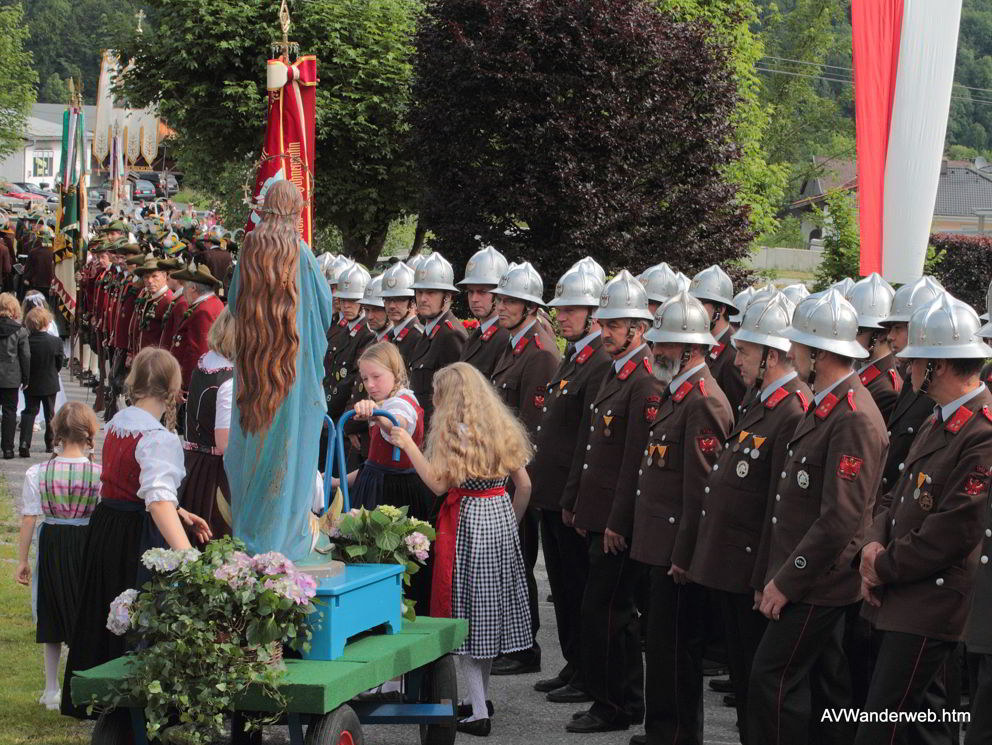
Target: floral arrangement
<point x="385" y="535"/>
<point x="470" y="324"/>
<point x="209" y="625"/>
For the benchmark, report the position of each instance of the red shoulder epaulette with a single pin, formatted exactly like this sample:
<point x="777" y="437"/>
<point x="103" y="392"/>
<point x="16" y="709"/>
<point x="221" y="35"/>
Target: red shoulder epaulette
<point x="869" y="375"/>
<point x="850" y="400"/>
<point x="437" y="327"/>
<point x="585" y="354"/>
<point x="343" y="322"/>
<point x="402" y="334"/>
<point x="987" y="413"/>
<point x="647" y="364"/>
<point x="490" y="332"/>
<point x="682" y="391"/>
<point x="960" y="418"/>
<point x="896" y="380"/>
<point x="521" y="345"/>
<point x="702" y="386"/>
<point x="537" y="342"/>
<point x="803" y="400"/>
<point x="626" y="370"/>
<point x="716" y="350"/>
<point x="449" y="324"/>
<point x="824" y="409"/>
<point x="776" y="398"/>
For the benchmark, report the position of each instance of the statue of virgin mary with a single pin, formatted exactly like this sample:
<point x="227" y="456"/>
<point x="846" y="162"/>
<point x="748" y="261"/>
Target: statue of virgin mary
<point x="282" y="309"/>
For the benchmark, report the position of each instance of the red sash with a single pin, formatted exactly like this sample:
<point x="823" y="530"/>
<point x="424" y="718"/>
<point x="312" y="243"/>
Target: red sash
<point x="444" y="547"/>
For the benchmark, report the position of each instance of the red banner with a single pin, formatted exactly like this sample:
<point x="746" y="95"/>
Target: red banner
<point x="288" y="151"/>
<point x="877" y="28"/>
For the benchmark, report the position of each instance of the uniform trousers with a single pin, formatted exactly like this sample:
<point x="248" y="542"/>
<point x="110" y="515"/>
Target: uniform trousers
<point x="744" y="628"/>
<point x="673" y="681"/>
<point x="566" y="559"/>
<point x="612" y="665"/>
<point x="980" y="727"/>
<point x="906" y="666"/>
<point x="799" y="662"/>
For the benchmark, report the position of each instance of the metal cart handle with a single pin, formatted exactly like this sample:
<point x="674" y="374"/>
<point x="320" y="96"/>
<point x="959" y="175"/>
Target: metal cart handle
<point x="335" y="444"/>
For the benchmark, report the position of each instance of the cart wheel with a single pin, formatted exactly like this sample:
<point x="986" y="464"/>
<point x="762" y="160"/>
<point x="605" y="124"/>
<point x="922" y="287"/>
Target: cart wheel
<point x="113" y="729"/>
<point x="440" y="686"/>
<point x="340" y="727"/>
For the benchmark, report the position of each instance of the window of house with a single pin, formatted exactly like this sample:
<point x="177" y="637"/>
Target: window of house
<point x="44" y="162"/>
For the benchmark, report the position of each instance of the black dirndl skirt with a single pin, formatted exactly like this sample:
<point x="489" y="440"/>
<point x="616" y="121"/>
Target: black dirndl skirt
<point x="119" y="532"/>
<point x="205" y="476"/>
<point x="61" y="553"/>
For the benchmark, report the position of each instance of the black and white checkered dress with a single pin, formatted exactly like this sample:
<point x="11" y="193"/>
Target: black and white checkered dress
<point x="488" y="584"/>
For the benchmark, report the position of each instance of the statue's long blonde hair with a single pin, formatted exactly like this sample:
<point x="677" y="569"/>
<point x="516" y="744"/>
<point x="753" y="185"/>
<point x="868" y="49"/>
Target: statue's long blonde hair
<point x="267" y="339"/>
<point x="472" y="432"/>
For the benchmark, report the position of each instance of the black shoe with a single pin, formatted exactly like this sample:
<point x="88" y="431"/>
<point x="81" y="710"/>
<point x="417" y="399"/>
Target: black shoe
<point x="8" y="455"/>
<point x="721" y="685"/>
<point x="589" y="723"/>
<point x="510" y="666"/>
<point x="477" y="727"/>
<point x="568" y="694"/>
<point x="24" y="452"/>
<point x="579" y="714"/>
<point x="639" y="740"/>
<point x="465" y="710"/>
<point x="546" y="685"/>
<point x="730" y="700"/>
<point x="712" y="669"/>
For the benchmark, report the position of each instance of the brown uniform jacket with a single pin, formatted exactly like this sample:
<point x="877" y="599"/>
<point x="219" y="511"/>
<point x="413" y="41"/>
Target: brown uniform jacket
<point x="721" y="361"/>
<point x="439" y="349"/>
<point x="824" y="498"/>
<point x="613" y="432"/>
<point x="910" y="412"/>
<point x="341" y="365"/>
<point x="932" y="532"/>
<point x="153" y="319"/>
<point x="482" y="350"/>
<point x="978" y="633"/>
<point x="732" y="546"/>
<point x="170" y="321"/>
<point x="521" y="377"/>
<point x="883" y="382"/>
<point x="684" y="442"/>
<point x="407" y="340"/>
<point x="556" y="453"/>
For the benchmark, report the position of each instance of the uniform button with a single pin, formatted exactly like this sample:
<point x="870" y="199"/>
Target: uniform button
<point x="671" y="520"/>
<point x="706" y="490"/>
<point x="893" y="522"/>
<point x="784" y="474"/>
<point x="902" y="466"/>
<point x="585" y="466"/>
<point x="588" y="447"/>
<point x="774" y="520"/>
<point x="590" y="407"/>
<point x="596" y="411"/>
<point x="703" y="513"/>
<point x="778" y="497"/>
<point x="902" y="499"/>
<point x="984" y="559"/>
<point x="609" y="412"/>
<point x="645" y="452"/>
<point x="538" y="427"/>
<point x="664" y="436"/>
<point x="790" y="453"/>
<point x="592" y="429"/>
<point x="638" y="492"/>
<point x="909" y="429"/>
<point x="545" y="408"/>
<point x="747" y="549"/>
<point x="988" y="532"/>
<point x="716" y="466"/>
<point x="885" y="480"/>
<point x="890" y="433"/>
<point x="640" y="471"/>
<point x="747" y="450"/>
<point x="803" y="460"/>
<point x="939" y="581"/>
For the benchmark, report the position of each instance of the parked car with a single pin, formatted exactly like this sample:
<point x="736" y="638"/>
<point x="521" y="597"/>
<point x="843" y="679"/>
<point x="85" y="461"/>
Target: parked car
<point x="165" y="184"/>
<point x="143" y="191"/>
<point x="16" y="192"/>
<point x="50" y="196"/>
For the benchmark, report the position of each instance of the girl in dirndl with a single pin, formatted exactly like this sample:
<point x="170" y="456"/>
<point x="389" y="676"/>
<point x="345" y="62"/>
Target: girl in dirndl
<point x="478" y="568"/>
<point x="142" y="468"/>
<point x="63" y="491"/>
<point x="205" y="491"/>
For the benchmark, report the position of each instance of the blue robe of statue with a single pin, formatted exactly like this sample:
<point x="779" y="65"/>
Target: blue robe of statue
<point x="272" y="474"/>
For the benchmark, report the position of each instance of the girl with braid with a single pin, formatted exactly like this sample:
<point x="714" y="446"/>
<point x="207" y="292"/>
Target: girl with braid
<point x="142" y="469"/>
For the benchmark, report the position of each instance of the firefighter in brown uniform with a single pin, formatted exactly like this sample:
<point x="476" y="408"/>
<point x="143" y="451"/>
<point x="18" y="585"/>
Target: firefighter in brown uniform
<point x="557" y="465"/>
<point x="337" y="266"/>
<point x="521" y="377"/>
<point x="714" y="289"/>
<point x="485" y="344"/>
<point x="738" y="498"/>
<point x="872" y="299"/>
<point x="341" y="358"/>
<point x="613" y="435"/>
<point x="401" y="309"/>
<point x="444" y="336"/>
<point x="660" y="283"/>
<point x="688" y="427"/>
<point x="920" y="556"/>
<point x="822" y="509"/>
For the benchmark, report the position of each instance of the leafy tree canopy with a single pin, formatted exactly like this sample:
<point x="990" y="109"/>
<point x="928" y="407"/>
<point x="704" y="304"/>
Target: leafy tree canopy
<point x="19" y="79"/>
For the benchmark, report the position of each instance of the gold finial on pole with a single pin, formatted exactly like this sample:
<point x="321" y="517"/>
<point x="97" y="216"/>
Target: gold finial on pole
<point x="285" y="47"/>
<point x="140" y="15"/>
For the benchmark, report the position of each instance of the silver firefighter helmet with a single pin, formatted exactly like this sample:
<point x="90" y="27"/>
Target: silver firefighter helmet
<point x="827" y="321"/>
<point x="435" y="273"/>
<point x="911" y="297"/>
<point x="844" y="287"/>
<point x="988" y="303"/>
<point x="485" y="267"/>
<point x="352" y="282"/>
<point x="590" y="265"/>
<point x="872" y="299"/>
<point x="623" y="297"/>
<point x="373" y="293"/>
<point x="796" y="293"/>
<point x="577" y="287"/>
<point x="681" y="320"/>
<point x="946" y="328"/>
<point x="397" y="281"/>
<point x="661" y="283"/>
<point x="522" y="283"/>
<point x="765" y="321"/>
<point x="741" y="300"/>
<point x="715" y="286"/>
<point x="338" y="265"/>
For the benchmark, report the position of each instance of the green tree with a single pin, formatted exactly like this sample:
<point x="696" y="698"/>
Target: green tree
<point x="841" y="240"/>
<point x="54" y="90"/>
<point x="207" y="79"/>
<point x="17" y="91"/>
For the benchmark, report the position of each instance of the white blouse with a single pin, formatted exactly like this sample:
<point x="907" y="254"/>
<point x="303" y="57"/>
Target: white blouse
<point x="212" y="362"/>
<point x="400" y="407"/>
<point x="159" y="454"/>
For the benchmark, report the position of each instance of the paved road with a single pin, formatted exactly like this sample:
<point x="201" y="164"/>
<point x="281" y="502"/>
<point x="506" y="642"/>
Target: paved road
<point x="522" y="714"/>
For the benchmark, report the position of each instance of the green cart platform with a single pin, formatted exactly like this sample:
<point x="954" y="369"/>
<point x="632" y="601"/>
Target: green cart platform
<point x="321" y="695"/>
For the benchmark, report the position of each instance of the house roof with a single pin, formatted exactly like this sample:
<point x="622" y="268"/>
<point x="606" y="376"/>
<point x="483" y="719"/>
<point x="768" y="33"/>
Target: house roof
<point x="35" y="128"/>
<point x="52" y="114"/>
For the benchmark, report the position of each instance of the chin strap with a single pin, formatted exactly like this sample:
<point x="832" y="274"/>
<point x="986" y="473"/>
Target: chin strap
<point x="927" y="377"/>
<point x="762" y="368"/>
<point x="812" y="366"/>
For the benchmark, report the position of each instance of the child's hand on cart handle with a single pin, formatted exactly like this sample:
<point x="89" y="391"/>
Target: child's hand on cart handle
<point x="401" y="438"/>
<point x="364" y="408"/>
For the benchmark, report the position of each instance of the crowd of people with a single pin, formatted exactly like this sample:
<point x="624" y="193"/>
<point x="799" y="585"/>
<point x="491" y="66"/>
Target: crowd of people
<point x="802" y="478"/>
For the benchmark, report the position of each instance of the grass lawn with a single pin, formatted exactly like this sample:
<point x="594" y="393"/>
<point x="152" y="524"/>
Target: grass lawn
<point x="22" y="718"/>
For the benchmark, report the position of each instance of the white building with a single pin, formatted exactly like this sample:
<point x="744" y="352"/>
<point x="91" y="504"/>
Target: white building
<point x="38" y="159"/>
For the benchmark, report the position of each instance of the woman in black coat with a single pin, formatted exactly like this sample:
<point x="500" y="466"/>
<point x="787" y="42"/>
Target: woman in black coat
<point x="15" y="368"/>
<point x="47" y="358"/>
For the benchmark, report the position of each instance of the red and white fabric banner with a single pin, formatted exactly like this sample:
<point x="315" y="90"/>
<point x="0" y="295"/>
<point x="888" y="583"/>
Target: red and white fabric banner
<point x="904" y="56"/>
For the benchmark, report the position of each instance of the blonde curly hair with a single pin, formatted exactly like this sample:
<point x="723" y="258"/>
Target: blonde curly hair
<point x="472" y="433"/>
